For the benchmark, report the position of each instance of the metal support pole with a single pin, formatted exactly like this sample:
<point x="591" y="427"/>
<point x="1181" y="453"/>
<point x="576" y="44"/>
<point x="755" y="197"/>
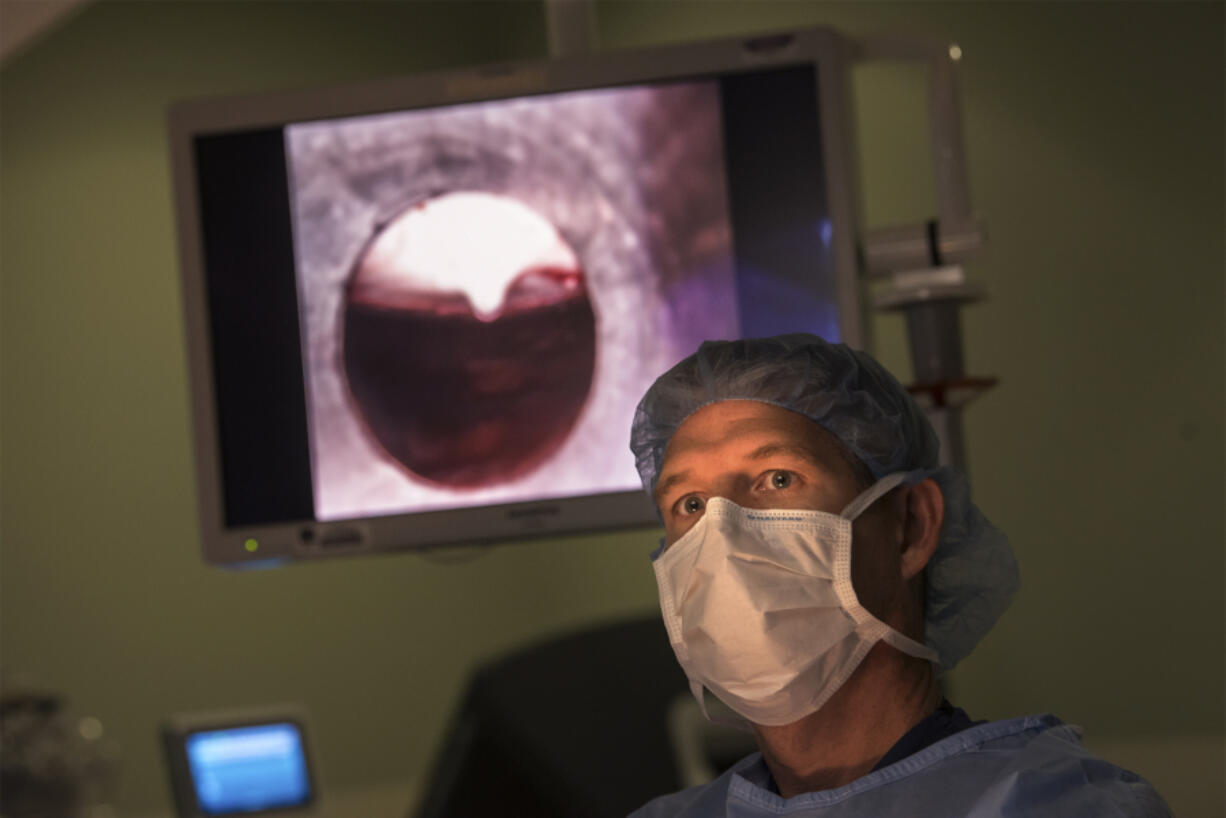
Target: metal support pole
<point x="923" y="261"/>
<point x="572" y="27"/>
<point x="935" y="332"/>
<point x="947" y="423"/>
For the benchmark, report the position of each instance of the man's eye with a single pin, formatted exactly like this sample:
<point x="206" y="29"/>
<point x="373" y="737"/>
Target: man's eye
<point x="781" y="479"/>
<point x="691" y="505"/>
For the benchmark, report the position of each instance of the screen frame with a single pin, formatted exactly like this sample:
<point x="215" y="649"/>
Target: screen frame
<point x="823" y="48"/>
<point x="180" y="727"/>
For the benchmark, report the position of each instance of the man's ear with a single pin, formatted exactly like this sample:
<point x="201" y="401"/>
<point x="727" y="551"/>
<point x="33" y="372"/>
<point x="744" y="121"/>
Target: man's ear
<point x="923" y="514"/>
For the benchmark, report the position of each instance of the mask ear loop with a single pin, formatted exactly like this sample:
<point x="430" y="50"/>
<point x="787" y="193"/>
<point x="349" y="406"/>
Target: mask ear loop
<point x="699" y="692"/>
<point x="874" y="493"/>
<point x="857" y="507"/>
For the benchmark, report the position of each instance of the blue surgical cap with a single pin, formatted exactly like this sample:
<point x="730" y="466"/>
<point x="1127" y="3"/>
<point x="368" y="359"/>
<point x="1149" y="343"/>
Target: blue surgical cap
<point x="972" y="576"/>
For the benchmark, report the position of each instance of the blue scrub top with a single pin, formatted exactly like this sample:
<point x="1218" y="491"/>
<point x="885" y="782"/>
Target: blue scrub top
<point x="1032" y="766"/>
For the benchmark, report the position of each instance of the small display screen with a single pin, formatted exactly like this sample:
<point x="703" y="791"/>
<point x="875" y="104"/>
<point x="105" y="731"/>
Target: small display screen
<point x="249" y="769"/>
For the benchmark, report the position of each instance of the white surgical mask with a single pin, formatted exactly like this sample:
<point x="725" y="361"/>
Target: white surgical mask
<point x="760" y="608"/>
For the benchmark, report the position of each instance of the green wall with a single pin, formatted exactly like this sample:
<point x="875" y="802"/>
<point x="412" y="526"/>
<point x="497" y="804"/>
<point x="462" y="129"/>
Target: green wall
<point x="1095" y="136"/>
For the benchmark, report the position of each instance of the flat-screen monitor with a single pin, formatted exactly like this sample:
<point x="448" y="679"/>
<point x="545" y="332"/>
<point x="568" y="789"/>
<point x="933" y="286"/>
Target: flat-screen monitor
<point x="249" y="763"/>
<point x="420" y="312"/>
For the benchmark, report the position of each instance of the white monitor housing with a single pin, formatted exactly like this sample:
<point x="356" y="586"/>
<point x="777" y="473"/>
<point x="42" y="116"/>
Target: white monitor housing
<point x="420" y="311"/>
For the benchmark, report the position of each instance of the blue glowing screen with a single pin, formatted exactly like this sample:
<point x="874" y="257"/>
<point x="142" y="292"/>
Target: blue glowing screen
<point x="247" y="769"/>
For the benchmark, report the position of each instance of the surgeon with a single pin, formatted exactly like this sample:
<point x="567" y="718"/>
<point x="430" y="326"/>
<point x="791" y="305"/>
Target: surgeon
<point x="819" y="573"/>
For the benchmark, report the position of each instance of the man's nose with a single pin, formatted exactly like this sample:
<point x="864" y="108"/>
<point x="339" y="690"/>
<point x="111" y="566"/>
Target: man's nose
<point x="738" y="488"/>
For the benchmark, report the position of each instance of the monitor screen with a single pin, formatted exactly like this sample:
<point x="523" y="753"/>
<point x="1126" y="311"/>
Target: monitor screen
<point x="422" y="320"/>
<point x="248" y="769"/>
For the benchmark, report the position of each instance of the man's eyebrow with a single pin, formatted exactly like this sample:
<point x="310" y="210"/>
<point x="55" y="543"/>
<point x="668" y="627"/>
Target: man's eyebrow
<point x="668" y="482"/>
<point x="795" y="449"/>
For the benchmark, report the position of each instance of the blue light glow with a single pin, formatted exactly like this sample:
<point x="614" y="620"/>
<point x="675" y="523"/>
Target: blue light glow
<point x="826" y="230"/>
<point x="246" y="769"/>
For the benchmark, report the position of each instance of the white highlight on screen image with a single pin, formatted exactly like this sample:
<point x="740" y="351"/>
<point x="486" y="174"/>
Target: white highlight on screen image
<point x="474" y="243"/>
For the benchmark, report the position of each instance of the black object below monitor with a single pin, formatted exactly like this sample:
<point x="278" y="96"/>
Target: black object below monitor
<point x="574" y="727"/>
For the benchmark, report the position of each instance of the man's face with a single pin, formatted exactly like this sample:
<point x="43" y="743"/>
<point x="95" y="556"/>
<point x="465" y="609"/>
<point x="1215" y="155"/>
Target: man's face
<point x="761" y="456"/>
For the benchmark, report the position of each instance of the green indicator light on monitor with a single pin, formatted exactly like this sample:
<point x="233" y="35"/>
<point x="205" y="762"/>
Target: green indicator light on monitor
<point x="251" y="545"/>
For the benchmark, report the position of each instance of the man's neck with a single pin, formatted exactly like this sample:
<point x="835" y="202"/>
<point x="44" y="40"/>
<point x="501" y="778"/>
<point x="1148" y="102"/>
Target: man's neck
<point x="888" y="694"/>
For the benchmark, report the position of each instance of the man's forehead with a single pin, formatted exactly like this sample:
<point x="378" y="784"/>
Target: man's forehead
<point x="745" y="426"/>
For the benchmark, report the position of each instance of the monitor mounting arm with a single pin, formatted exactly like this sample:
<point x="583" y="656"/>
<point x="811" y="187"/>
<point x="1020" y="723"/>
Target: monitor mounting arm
<point x="571" y="27"/>
<point x="920" y="264"/>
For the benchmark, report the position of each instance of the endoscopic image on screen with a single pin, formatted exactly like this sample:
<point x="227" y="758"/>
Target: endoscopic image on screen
<point x="487" y="289"/>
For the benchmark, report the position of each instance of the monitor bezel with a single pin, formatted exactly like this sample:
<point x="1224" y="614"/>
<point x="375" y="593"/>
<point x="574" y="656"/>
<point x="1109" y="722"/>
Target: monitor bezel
<point x="821" y="47"/>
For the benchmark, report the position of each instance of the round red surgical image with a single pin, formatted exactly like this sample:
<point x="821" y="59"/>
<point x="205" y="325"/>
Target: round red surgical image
<point x="469" y="340"/>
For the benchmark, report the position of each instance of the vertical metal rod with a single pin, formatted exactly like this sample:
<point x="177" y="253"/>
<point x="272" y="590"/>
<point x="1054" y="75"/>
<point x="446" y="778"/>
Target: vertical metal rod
<point x="948" y="152"/>
<point x="947" y="423"/>
<point x="935" y="332"/>
<point x="572" y="27"/>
